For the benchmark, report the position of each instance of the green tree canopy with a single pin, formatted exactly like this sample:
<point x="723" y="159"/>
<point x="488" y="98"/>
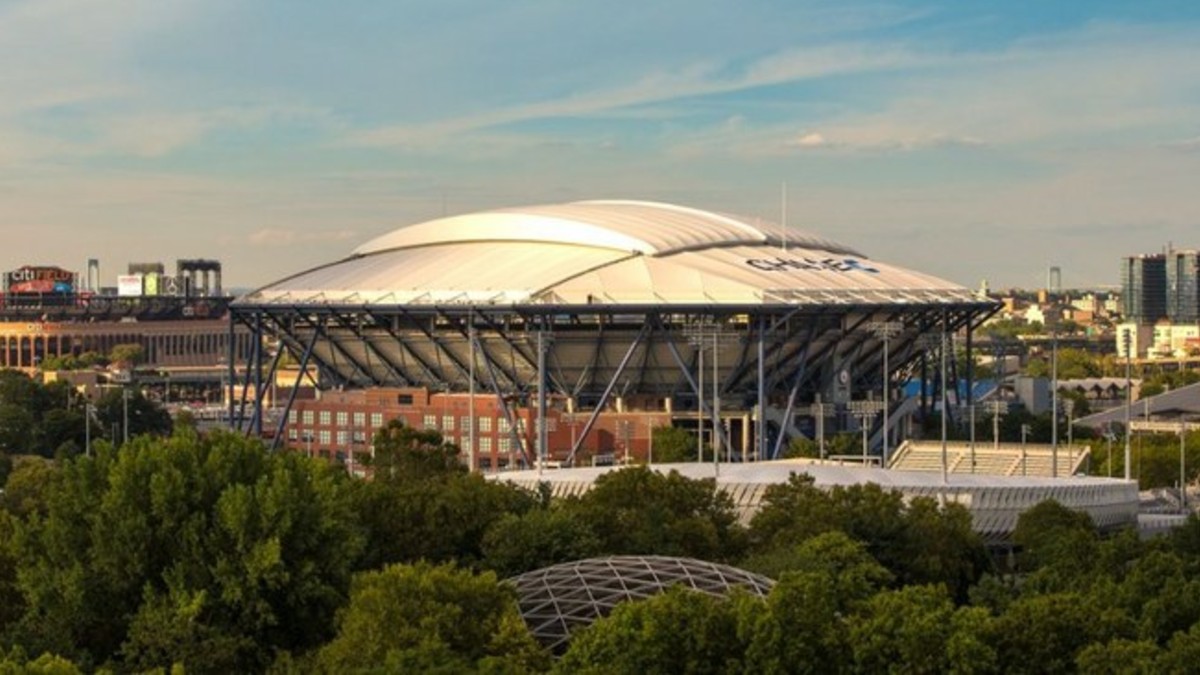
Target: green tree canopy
<point x="679" y="631"/>
<point x="422" y="618"/>
<point x="197" y="549"/>
<point x="637" y="510"/>
<point x="672" y="444"/>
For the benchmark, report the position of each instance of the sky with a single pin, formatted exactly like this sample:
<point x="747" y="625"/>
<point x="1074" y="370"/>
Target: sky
<point x="971" y="140"/>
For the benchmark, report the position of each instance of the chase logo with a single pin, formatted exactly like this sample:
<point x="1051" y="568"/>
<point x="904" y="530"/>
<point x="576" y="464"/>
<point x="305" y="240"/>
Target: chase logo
<point x="811" y="265"/>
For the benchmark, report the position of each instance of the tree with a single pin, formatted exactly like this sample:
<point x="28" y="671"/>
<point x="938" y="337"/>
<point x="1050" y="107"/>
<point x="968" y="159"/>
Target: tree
<point x="919" y="542"/>
<point x="803" y="629"/>
<point x="851" y="571"/>
<point x="1050" y="533"/>
<point x="145" y="416"/>
<point x="679" y="631"/>
<point x="541" y="537"/>
<point x="911" y="628"/>
<point x="672" y="445"/>
<point x="417" y="618"/>
<point x="197" y="548"/>
<point x="16" y="663"/>
<point x="128" y="355"/>
<point x="17" y="425"/>
<point x="639" y="511"/>
<point x="439" y="519"/>
<point x="402" y="453"/>
<point x="802" y="446"/>
<point x="1044" y="633"/>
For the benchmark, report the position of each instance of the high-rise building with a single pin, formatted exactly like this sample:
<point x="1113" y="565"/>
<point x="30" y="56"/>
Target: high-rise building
<point x="1144" y="285"/>
<point x="1183" y="291"/>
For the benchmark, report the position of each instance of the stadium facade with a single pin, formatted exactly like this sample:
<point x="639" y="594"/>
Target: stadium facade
<point x="602" y="305"/>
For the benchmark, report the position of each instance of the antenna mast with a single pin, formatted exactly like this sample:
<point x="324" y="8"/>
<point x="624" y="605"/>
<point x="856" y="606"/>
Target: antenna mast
<point x="783" y="217"/>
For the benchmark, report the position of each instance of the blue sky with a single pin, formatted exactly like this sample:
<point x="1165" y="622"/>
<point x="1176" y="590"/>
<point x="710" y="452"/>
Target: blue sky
<point x="970" y="139"/>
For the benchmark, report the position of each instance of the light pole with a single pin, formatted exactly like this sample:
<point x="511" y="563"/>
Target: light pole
<point x="885" y="330"/>
<point x="697" y="341"/>
<point x="1182" y="465"/>
<point x="1054" y="402"/>
<point x="864" y="412"/>
<point x="997" y="408"/>
<point x="1128" y="399"/>
<point x="969" y="411"/>
<point x="125" y="414"/>
<point x="88" y="408"/>
<point x="471" y="395"/>
<point x="1069" y="408"/>
<point x="1024" y="435"/>
<point x="945" y="405"/>
<point x="818" y="411"/>
<point x="698" y="335"/>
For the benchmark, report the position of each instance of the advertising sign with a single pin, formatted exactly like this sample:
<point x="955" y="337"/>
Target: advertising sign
<point x="150" y="283"/>
<point x="129" y="285"/>
<point x="30" y="279"/>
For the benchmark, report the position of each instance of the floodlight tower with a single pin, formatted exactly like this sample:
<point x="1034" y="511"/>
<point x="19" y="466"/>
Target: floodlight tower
<point x="885" y="330"/>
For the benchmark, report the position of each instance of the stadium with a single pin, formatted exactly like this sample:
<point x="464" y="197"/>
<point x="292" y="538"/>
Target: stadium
<point x="620" y="303"/>
<point x="605" y="307"/>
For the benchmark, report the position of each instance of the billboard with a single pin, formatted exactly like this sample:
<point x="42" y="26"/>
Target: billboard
<point x="31" y="279"/>
<point x="150" y="283"/>
<point x="129" y="285"/>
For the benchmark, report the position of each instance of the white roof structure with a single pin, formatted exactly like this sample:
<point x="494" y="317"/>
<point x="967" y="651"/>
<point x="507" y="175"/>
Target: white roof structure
<point x="995" y="502"/>
<point x="605" y="253"/>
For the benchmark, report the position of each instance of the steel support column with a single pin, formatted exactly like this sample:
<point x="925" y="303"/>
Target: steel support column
<point x="587" y="427"/>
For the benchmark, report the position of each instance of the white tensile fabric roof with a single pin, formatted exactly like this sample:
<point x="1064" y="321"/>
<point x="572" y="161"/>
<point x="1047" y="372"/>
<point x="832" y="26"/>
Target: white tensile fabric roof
<point x="605" y="252"/>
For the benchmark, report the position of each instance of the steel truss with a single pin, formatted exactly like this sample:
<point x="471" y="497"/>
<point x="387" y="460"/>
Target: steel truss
<point x="779" y="357"/>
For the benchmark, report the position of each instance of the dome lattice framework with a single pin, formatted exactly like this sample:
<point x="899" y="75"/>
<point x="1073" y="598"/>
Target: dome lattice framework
<point x="558" y="600"/>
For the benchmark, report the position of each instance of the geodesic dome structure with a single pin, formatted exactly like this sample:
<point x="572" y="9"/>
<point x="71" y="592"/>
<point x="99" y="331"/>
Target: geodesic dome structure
<point x="557" y="600"/>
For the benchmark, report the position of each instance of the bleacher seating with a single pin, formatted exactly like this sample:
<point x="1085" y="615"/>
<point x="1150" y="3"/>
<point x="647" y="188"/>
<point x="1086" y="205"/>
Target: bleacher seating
<point x="1008" y="459"/>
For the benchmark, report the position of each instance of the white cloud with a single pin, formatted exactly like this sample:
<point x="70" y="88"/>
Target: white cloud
<point x="811" y="139"/>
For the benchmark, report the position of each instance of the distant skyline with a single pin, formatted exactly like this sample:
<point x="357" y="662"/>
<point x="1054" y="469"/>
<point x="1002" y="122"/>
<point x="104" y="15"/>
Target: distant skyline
<point x="969" y="140"/>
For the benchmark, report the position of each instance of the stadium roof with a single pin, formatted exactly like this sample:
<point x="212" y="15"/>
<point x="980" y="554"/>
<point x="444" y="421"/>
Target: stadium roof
<point x="605" y="253"/>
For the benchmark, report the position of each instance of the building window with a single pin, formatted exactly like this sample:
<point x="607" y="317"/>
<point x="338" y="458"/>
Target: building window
<point x="502" y="425"/>
<point x="292" y="417"/>
<point x="342" y="438"/>
<point x="360" y="419"/>
<point x="447" y="422"/>
<point x="404" y="399"/>
<point x="485" y="446"/>
<point x="325" y="417"/>
<point x="308" y="417"/>
<point x="430" y="422"/>
<point x="293" y="434"/>
<point x="504" y="444"/>
<point x="376" y="419"/>
<point x="485" y="425"/>
<point x="360" y="437"/>
<point x="324" y="437"/>
<point x="464" y="423"/>
<point x="343" y="418"/>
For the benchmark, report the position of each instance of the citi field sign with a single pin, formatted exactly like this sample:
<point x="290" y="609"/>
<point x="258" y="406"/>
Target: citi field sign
<point x="31" y="279"/>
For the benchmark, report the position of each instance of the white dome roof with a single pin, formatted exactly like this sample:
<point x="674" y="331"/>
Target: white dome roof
<point x="606" y="253"/>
